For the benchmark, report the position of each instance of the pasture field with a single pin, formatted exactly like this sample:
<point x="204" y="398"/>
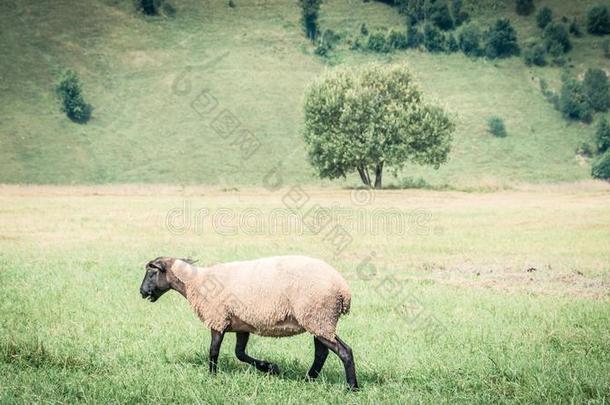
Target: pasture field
<point x="479" y="297"/>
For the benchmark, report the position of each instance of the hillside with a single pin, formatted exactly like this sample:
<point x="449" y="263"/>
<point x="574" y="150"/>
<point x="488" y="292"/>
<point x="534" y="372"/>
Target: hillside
<point x="142" y="75"/>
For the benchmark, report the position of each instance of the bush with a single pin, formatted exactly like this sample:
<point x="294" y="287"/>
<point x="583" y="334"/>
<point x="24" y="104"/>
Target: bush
<point x="326" y="42"/>
<point x="501" y="40"/>
<point x="397" y="40"/>
<point x="413" y="9"/>
<point x="601" y="167"/>
<point x="364" y="30"/>
<point x="573" y="102"/>
<point x="73" y="103"/>
<point x="524" y="7"/>
<point x="556" y="38"/>
<point x="459" y="16"/>
<point x="309" y="17"/>
<point x="414" y="37"/>
<point x="469" y="40"/>
<point x="433" y="38"/>
<point x="451" y="44"/>
<point x="602" y="135"/>
<point x="495" y="125"/>
<point x="596" y="89"/>
<point x="148" y="7"/>
<point x="544" y="17"/>
<point x="534" y="54"/>
<point x="377" y="43"/>
<point x="439" y="15"/>
<point x="598" y="20"/>
<point x="584" y="149"/>
<point x="413" y="182"/>
<point x="575" y="28"/>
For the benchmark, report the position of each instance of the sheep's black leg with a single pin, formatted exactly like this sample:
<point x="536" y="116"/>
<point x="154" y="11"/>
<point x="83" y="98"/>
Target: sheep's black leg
<point x="321" y="352"/>
<point x="341" y="349"/>
<point x="215" y="349"/>
<point x="240" y="352"/>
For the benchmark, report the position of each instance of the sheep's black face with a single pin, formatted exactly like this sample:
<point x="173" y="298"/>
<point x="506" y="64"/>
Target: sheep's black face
<point x="155" y="282"/>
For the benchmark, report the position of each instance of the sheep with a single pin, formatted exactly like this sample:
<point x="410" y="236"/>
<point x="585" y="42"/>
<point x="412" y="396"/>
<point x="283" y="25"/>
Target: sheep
<point x="275" y="296"/>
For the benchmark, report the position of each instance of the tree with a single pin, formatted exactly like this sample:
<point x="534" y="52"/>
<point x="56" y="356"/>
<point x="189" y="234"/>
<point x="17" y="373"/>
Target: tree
<point x="371" y="119"/>
<point x="544" y="17"/>
<point x="596" y="89"/>
<point x="556" y="37"/>
<point x="459" y="15"/>
<point x="600" y="169"/>
<point x="433" y="38"/>
<point x="598" y="20"/>
<point x="501" y="40"/>
<point x="534" y="54"/>
<point x="309" y="17"/>
<point x="469" y="40"/>
<point x="573" y="102"/>
<point x="524" y="7"/>
<point x="73" y="102"/>
<point x="148" y="7"/>
<point x="602" y="135"/>
<point x="439" y="14"/>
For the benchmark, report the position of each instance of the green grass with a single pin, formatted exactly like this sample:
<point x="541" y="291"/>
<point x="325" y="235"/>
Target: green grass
<point x="256" y="62"/>
<point x="74" y="327"/>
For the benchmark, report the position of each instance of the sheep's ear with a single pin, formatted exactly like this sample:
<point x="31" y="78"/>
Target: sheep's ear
<point x="188" y="260"/>
<point x="158" y="263"/>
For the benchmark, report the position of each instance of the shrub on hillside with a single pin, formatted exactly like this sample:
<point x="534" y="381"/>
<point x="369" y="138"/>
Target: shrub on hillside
<point x="433" y="38"/>
<point x="413" y="9"/>
<point x="397" y="40"/>
<point x="544" y="17"/>
<point x="148" y="7"/>
<point x="573" y="102"/>
<point x="438" y="13"/>
<point x="596" y="89"/>
<point x="451" y="44"/>
<point x="73" y="103"/>
<point x="556" y="38"/>
<point x="501" y="40"/>
<point x="534" y="54"/>
<point x="600" y="169"/>
<point x="326" y="42"/>
<point x="495" y="125"/>
<point x="469" y="40"/>
<point x="584" y="149"/>
<point x="364" y="29"/>
<point x="575" y="28"/>
<point x="524" y="7"/>
<point x="309" y="17"/>
<point x="377" y="43"/>
<point x="598" y="20"/>
<point x="602" y="135"/>
<point x="414" y="37"/>
<point x="458" y="14"/>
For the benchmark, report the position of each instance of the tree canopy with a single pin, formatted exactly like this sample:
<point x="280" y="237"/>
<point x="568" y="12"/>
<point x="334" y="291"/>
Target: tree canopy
<point x="372" y="118"/>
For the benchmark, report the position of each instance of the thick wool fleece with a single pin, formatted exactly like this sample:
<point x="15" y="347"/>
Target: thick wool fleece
<point x="275" y="296"/>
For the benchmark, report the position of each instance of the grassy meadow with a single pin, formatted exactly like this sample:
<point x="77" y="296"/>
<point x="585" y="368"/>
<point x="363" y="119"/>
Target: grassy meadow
<point x="481" y="297"/>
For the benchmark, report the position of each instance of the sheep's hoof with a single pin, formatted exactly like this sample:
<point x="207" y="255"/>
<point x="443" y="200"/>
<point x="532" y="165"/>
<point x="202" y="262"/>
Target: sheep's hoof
<point x="273" y="369"/>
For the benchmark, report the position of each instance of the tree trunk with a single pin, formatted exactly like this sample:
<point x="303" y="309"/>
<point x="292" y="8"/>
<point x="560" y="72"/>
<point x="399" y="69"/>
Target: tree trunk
<point x="378" y="175"/>
<point x="364" y="175"/>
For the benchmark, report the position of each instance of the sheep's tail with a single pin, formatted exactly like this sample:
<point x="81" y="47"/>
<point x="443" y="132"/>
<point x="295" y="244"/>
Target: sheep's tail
<point x="346" y="301"/>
